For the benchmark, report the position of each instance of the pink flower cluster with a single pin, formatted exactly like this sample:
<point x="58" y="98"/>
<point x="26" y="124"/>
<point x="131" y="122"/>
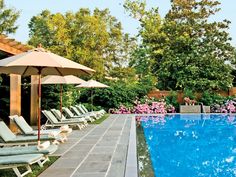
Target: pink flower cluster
<point x="229" y="107"/>
<point x="188" y="101"/>
<point x="151" y="108"/>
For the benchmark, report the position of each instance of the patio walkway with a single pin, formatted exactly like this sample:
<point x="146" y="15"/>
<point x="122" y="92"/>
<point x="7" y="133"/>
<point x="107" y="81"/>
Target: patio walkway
<point x="97" y="151"/>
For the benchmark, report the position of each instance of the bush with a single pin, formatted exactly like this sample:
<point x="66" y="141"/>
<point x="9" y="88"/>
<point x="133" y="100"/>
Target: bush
<point x="210" y="98"/>
<point x="148" y="107"/>
<point x="172" y="99"/>
<point x="118" y="93"/>
<point x="189" y="93"/>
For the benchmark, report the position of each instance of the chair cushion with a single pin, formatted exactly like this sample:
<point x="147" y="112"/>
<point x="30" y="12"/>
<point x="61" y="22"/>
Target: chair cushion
<point x="20" y="159"/>
<point x="6" y="151"/>
<point x="5" y="133"/>
<point x="19" y="139"/>
<point x="23" y="125"/>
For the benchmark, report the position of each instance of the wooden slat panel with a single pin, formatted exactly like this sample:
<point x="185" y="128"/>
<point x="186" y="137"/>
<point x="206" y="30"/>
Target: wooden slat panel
<point x="15" y="97"/>
<point x="8" y="49"/>
<point x="34" y="101"/>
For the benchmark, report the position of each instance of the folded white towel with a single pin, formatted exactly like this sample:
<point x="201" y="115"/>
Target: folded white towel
<point x="64" y="127"/>
<point x="44" y="145"/>
<point x="69" y="130"/>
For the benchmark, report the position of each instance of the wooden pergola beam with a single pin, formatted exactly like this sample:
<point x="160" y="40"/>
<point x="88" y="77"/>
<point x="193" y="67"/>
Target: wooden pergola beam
<point x="9" y="49"/>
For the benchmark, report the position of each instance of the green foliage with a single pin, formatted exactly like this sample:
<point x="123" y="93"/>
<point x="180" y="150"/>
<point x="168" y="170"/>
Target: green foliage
<point x="4" y="99"/>
<point x="94" y="39"/>
<point x="171" y="99"/>
<point x="91" y="107"/>
<point x="209" y="98"/>
<point x="118" y="93"/>
<point x="8" y="17"/>
<point x="51" y="96"/>
<point x="189" y="93"/>
<point x="185" y="49"/>
<point x="141" y="62"/>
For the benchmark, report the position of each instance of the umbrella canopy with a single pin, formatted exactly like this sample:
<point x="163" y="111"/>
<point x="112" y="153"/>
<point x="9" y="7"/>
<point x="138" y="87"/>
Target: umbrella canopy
<point x="92" y="84"/>
<point x="70" y="79"/>
<point x="41" y="62"/>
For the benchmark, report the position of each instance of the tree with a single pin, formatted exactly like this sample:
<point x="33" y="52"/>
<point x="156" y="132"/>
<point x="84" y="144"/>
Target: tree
<point x="8" y="17"/>
<point x="186" y="49"/>
<point x="92" y="39"/>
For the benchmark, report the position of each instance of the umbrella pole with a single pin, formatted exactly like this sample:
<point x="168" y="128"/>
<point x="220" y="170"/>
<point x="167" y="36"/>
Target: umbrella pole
<point x="39" y="106"/>
<point x="92" y="98"/>
<point x="61" y="99"/>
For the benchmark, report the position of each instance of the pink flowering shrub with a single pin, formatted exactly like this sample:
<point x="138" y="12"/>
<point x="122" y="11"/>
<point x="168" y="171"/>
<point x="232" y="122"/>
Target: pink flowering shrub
<point x="188" y="101"/>
<point x="150" y="106"/>
<point x="228" y="107"/>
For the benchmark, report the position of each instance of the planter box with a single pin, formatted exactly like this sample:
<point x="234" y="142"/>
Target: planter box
<point x="190" y="109"/>
<point x="206" y="109"/>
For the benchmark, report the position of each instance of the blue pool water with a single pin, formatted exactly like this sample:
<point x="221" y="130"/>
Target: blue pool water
<point x="191" y="145"/>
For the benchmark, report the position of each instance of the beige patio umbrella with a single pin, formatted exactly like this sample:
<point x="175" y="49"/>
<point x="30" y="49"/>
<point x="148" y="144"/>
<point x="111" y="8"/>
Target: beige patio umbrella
<point x="53" y="79"/>
<point x="41" y="62"/>
<point x="92" y="84"/>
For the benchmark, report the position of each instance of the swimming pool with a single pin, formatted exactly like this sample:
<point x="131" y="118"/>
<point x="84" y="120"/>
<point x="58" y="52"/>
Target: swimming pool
<point x="191" y="145"/>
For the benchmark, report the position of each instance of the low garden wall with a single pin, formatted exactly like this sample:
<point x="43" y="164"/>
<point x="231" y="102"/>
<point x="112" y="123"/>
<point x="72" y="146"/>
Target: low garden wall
<point x="160" y="94"/>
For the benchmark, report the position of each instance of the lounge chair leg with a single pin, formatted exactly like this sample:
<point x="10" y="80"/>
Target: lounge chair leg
<point x="43" y="162"/>
<point x="40" y="163"/>
<point x="78" y="125"/>
<point x="64" y="137"/>
<point x="18" y="174"/>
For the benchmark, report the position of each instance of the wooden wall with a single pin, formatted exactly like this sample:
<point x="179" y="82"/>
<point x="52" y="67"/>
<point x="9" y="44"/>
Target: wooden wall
<point x="159" y="94"/>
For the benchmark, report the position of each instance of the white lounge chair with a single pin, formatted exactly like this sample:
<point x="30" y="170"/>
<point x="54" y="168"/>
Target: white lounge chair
<point x="88" y="117"/>
<point x="7" y="138"/>
<point x="27" y="130"/>
<point x="53" y="122"/>
<point x="15" y="161"/>
<point x="99" y="113"/>
<point x="71" y="115"/>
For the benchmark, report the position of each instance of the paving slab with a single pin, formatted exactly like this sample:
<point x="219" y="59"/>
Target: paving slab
<point x="89" y="175"/>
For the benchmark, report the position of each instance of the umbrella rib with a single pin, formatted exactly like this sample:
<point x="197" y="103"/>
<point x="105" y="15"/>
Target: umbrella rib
<point x="80" y="70"/>
<point x="59" y="71"/>
<point x="25" y="70"/>
<point x="86" y="72"/>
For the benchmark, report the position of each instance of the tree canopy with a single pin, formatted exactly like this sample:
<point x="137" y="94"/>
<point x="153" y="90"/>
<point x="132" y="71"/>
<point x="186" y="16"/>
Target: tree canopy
<point x="94" y="39"/>
<point x="8" y="17"/>
<point x="185" y="48"/>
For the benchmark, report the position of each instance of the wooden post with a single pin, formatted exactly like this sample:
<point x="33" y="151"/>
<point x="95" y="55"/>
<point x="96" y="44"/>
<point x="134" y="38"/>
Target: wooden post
<point x="34" y="100"/>
<point x="15" y="98"/>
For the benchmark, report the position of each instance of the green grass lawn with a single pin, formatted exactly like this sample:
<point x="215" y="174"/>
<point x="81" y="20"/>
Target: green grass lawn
<point x="35" y="168"/>
<point x="101" y="119"/>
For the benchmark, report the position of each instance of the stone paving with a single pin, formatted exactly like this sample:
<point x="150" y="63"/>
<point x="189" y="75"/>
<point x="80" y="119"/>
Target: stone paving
<point x="97" y="151"/>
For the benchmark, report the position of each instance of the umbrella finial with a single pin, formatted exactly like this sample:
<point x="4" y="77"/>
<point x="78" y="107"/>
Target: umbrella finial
<point x="40" y="48"/>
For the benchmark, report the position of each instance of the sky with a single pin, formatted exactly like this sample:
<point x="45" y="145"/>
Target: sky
<point x="30" y="8"/>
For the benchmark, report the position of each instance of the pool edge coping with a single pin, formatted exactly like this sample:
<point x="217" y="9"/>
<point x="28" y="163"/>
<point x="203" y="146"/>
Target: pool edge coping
<point x="131" y="169"/>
